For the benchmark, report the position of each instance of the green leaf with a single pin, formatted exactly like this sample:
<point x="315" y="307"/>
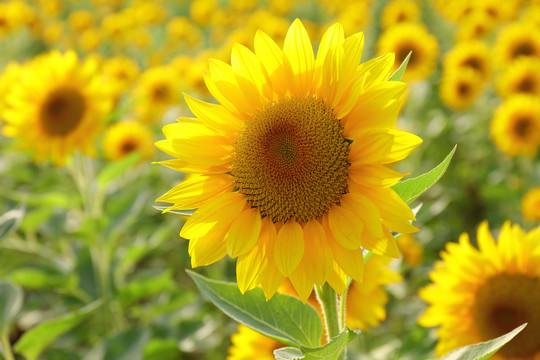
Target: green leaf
<point x="409" y="190"/>
<point x="145" y="287"/>
<point x="399" y="72"/>
<point x="43" y="278"/>
<point x="288" y="353"/>
<point x="128" y="345"/>
<point x="179" y="212"/>
<point x="11" y="300"/>
<point x="10" y="220"/>
<point x="114" y="169"/>
<point x="284" y="318"/>
<point x="485" y="350"/>
<point x="331" y="350"/>
<point x="35" y="340"/>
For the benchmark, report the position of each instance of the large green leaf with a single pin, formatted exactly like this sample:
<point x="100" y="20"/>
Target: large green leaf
<point x="485" y="350"/>
<point x="410" y="189"/>
<point x="399" y="72"/>
<point x="331" y="350"/>
<point x="283" y="317"/>
<point x="35" y="340"/>
<point x="288" y="353"/>
<point x="11" y="300"/>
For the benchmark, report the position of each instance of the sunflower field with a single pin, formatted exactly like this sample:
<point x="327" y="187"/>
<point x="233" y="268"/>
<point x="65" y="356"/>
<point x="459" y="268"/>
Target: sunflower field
<point x="269" y="179"/>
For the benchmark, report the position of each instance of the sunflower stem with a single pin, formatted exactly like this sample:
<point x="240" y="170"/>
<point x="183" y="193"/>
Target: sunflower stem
<point x="328" y="299"/>
<point x="8" y="353"/>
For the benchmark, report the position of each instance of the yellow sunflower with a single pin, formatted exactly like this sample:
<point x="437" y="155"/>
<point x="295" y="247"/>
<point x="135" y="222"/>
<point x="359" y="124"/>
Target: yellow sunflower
<point x="476" y="26"/>
<point x="56" y="107"/>
<point x="399" y="11"/>
<point x="366" y="299"/>
<point x="292" y="164"/>
<point x="530" y="205"/>
<point x="460" y="88"/>
<point x="515" y="41"/>
<point x="479" y="294"/>
<point x="412" y="252"/>
<point x="474" y="55"/>
<point x="120" y="73"/>
<point x="515" y="127"/>
<point x="248" y="344"/>
<point x="157" y="89"/>
<point x="521" y="77"/>
<point x="8" y="77"/>
<point x="125" y="137"/>
<point x="404" y="38"/>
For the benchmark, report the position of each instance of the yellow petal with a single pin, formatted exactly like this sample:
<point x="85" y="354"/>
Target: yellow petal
<point x="249" y="268"/>
<point x="365" y="210"/>
<point x="250" y="75"/>
<point x="374" y="175"/>
<point x="317" y="260"/>
<point x="289" y="247"/>
<point x="299" y="57"/>
<point x="214" y="116"/>
<point x="244" y="232"/>
<point x="302" y="283"/>
<point x="379" y="69"/>
<point x="194" y="168"/>
<point x="351" y="261"/>
<point x="215" y="214"/>
<point x="370" y="147"/>
<point x="337" y="279"/>
<point x="385" y="245"/>
<point x="271" y="277"/>
<point x="271" y="57"/>
<point x="346" y="226"/>
<point x="208" y="249"/>
<point x="404" y="143"/>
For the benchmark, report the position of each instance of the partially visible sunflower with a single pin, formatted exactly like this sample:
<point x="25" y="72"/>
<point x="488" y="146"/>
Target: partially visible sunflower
<point x="515" y="127"/>
<point x="399" y="11"/>
<point x="474" y="55"/>
<point x="56" y="108"/>
<point x="412" y="251"/>
<point x="126" y="137"/>
<point x="479" y="294"/>
<point x="521" y="77"/>
<point x="404" y="38"/>
<point x="248" y="344"/>
<point x="515" y="41"/>
<point x="476" y="26"/>
<point x="8" y="78"/>
<point x="460" y="88"/>
<point x="530" y="205"/>
<point x="366" y="299"/>
<point x="156" y="90"/>
<point x="120" y="73"/>
<point x="292" y="165"/>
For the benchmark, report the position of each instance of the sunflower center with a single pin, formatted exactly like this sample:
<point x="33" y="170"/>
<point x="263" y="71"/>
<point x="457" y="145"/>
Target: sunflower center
<point x="522" y="127"/>
<point x="523" y="49"/>
<point x="474" y="63"/>
<point x="505" y="302"/>
<point x="464" y="89"/>
<point x="403" y="51"/>
<point x="128" y="146"/>
<point x="62" y="111"/>
<point x="290" y="160"/>
<point x="161" y="93"/>
<point x="526" y="85"/>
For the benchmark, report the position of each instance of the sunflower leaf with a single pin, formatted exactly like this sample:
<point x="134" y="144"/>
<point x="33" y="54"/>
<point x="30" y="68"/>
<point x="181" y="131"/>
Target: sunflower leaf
<point x="284" y="318"/>
<point x="411" y="189"/>
<point x="116" y="168"/>
<point x="333" y="349"/>
<point x="484" y="350"/>
<point x="288" y="353"/>
<point x="11" y="299"/>
<point x="399" y="72"/>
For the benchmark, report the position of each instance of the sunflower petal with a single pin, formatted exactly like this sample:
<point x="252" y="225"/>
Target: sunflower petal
<point x="317" y="260"/>
<point x="289" y="247"/>
<point x="299" y="55"/>
<point x="244" y="232"/>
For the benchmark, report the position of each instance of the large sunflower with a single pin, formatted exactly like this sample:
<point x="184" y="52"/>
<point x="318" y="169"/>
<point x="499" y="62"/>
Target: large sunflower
<point x="292" y="165"/>
<point x="56" y="106"/>
<point x="515" y="127"/>
<point x="479" y="294"/>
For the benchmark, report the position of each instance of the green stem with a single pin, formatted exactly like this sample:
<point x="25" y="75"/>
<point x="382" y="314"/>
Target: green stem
<point x="343" y="305"/>
<point x="328" y="299"/>
<point x="8" y="353"/>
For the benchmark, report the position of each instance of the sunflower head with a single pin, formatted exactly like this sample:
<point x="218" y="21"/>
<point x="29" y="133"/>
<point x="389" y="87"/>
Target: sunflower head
<point x="479" y="294"/>
<point x="460" y="88"/>
<point x="473" y="55"/>
<point x="515" y="127"/>
<point x="521" y="77"/>
<point x="515" y="41"/>
<point x="292" y="164"/>
<point x="530" y="205"/>
<point x="126" y="137"/>
<point x="400" y="11"/>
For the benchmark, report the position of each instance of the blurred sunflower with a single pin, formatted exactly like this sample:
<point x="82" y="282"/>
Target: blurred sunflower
<point x="474" y="55"/>
<point x="404" y="38"/>
<point x="399" y="11"/>
<point x="156" y="90"/>
<point x="530" y="205"/>
<point x="476" y="26"/>
<point x="460" y="88"/>
<point x="56" y="108"/>
<point x="412" y="251"/>
<point x="248" y="344"/>
<point x="515" y="127"/>
<point x="119" y="73"/>
<point x="480" y="294"/>
<point x="515" y="41"/>
<point x="521" y="77"/>
<point x="296" y="153"/>
<point x="8" y="77"/>
<point x="125" y="137"/>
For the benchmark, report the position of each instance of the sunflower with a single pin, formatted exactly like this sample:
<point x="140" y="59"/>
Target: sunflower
<point x="292" y="164"/>
<point x="399" y="11"/>
<point x="412" y="252"/>
<point x="460" y="88"/>
<point x="366" y="299"/>
<point x="474" y="55"/>
<point x="530" y="205"/>
<point x="157" y="89"/>
<point x="480" y="294"/>
<point x="476" y="26"/>
<point x="56" y="108"/>
<point x="125" y="137"/>
<point x="521" y="77"/>
<point x="248" y="344"/>
<point x="8" y="77"/>
<point x="405" y="38"/>
<point x="515" y="41"/>
<point x="515" y="127"/>
<point x="120" y="73"/>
